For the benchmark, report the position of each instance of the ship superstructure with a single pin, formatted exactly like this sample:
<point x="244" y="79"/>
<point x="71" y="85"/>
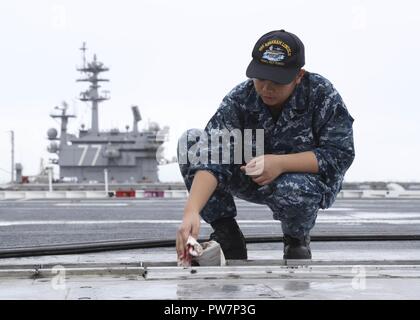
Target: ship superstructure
<point x="128" y="156"/>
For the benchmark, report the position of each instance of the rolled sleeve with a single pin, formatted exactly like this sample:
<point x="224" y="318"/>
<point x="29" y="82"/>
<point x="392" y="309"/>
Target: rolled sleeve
<point x="222" y="175"/>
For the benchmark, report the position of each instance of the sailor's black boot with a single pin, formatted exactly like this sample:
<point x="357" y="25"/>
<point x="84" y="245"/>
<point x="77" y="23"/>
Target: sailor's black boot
<point x="297" y="248"/>
<point x="228" y="234"/>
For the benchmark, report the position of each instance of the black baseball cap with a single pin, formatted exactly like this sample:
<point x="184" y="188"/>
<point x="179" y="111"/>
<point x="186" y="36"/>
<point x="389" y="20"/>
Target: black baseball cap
<point x="277" y="56"/>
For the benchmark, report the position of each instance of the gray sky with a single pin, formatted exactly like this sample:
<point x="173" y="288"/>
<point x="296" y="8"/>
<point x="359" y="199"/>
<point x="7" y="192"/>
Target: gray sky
<point x="177" y="59"/>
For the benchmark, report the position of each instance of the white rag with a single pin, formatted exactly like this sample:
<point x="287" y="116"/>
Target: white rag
<point x="205" y="254"/>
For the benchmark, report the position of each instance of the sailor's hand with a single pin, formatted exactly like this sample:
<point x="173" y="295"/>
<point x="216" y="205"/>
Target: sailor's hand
<point x="264" y="169"/>
<point x="190" y="226"/>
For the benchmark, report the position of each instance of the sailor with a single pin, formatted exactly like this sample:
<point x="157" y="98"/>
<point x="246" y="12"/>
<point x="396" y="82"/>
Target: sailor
<point x="306" y="150"/>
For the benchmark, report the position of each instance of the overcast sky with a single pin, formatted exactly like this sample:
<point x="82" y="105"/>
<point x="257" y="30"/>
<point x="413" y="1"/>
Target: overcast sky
<point x="176" y="60"/>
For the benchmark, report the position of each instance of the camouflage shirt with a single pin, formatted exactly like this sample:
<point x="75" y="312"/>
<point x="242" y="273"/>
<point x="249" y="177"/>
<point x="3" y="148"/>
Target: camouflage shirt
<point x="314" y="118"/>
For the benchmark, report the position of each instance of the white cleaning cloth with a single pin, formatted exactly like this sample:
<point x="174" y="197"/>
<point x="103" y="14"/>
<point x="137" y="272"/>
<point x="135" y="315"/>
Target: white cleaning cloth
<point x="205" y="254"/>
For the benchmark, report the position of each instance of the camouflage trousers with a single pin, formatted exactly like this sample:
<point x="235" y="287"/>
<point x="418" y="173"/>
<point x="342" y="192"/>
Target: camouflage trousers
<point x="294" y="198"/>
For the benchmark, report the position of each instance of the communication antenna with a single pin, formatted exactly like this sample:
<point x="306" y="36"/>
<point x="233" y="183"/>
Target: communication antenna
<point x="83" y="49"/>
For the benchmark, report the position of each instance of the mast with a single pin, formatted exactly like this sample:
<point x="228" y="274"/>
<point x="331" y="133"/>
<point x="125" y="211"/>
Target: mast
<point x="91" y="70"/>
<point x="64" y="121"/>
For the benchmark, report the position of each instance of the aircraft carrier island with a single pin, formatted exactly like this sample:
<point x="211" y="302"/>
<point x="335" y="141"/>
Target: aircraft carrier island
<point x="129" y="156"/>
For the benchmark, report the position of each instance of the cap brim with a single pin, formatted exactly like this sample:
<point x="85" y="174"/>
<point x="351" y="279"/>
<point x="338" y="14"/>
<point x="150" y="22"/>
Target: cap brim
<point x="280" y="75"/>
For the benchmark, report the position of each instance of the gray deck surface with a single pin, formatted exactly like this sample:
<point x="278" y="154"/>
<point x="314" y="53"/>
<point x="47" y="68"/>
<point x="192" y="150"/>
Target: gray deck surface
<point x="339" y="270"/>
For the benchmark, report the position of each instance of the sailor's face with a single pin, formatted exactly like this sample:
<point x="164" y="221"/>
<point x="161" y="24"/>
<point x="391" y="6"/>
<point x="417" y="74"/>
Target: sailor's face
<point x="274" y="94"/>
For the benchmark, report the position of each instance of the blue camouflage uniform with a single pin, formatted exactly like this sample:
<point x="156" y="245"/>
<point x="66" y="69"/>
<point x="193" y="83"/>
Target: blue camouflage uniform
<point x="314" y="118"/>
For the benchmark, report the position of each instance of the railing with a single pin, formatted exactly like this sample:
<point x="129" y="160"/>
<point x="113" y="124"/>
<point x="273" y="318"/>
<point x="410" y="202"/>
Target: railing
<point x="152" y="193"/>
<point x="142" y="194"/>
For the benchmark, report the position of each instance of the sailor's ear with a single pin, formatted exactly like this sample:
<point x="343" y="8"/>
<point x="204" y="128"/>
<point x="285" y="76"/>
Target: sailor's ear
<point x="300" y="76"/>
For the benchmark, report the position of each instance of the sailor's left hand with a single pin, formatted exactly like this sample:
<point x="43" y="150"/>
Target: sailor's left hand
<point x="264" y="169"/>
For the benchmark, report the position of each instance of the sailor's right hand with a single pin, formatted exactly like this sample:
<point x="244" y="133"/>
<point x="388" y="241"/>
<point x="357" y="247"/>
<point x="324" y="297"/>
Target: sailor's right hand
<point x="190" y="226"/>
